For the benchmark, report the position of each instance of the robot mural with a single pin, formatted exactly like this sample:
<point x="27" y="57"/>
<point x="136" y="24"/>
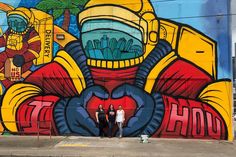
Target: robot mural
<point x="163" y="73"/>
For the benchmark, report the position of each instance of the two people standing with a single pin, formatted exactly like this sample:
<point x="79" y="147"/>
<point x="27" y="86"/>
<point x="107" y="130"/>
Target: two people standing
<point x="111" y="117"/>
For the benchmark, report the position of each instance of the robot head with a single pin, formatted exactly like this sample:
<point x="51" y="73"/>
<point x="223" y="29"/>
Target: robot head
<point x="20" y="19"/>
<point x="123" y="31"/>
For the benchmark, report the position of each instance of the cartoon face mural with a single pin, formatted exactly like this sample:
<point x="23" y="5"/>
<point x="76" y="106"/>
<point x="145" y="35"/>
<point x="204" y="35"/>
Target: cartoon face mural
<point x="163" y="73"/>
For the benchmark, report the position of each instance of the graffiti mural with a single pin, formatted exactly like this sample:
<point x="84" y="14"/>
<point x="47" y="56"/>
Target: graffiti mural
<point x="58" y="65"/>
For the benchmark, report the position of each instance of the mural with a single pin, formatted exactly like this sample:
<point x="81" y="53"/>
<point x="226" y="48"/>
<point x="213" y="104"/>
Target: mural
<point x="164" y="73"/>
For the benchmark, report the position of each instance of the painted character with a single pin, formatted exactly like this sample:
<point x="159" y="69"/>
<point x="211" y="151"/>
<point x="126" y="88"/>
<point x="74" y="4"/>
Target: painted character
<point x="126" y="56"/>
<point x="21" y="41"/>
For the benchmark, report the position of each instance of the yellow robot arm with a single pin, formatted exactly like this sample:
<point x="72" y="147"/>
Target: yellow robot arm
<point x="191" y="45"/>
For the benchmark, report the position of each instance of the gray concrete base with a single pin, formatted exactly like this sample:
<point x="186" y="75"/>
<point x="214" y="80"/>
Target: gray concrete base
<point x="23" y="146"/>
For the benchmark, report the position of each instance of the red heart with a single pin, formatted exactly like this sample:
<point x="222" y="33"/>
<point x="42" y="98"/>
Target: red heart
<point x="128" y="104"/>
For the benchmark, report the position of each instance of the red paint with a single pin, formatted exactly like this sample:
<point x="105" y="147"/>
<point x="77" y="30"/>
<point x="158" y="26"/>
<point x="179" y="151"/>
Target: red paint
<point x="182" y="79"/>
<point x="38" y="116"/>
<point x="190" y="119"/>
<point x="128" y="104"/>
<point x="53" y="79"/>
<point x="111" y="79"/>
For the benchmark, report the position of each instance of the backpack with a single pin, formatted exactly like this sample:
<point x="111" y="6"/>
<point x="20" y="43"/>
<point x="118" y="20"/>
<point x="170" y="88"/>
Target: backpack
<point x="43" y="24"/>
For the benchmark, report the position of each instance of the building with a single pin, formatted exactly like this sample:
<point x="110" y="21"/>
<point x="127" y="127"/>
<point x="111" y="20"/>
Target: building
<point x="234" y="83"/>
<point x="167" y="63"/>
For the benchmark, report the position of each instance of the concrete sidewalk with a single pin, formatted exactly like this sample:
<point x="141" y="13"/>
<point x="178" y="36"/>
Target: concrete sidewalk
<point x="126" y="147"/>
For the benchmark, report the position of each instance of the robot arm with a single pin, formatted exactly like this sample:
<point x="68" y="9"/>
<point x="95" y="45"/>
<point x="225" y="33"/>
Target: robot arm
<point x="25" y="106"/>
<point x="163" y="71"/>
<point x="181" y="78"/>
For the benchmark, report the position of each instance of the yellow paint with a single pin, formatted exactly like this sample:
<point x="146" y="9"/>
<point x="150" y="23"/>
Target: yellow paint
<point x="122" y="64"/>
<point x="99" y="63"/>
<point x="15" y="42"/>
<point x="136" y="60"/>
<point x="185" y="41"/>
<point x="115" y="13"/>
<point x="1" y="89"/>
<point x="135" y="13"/>
<point x="43" y="24"/>
<point x="72" y="68"/>
<point x="127" y="64"/>
<point x="34" y="39"/>
<point x="73" y="145"/>
<point x="198" y="49"/>
<point x="1" y="129"/>
<point x="114" y="64"/>
<point x="219" y="96"/>
<point x="68" y="36"/>
<point x="15" y="96"/>
<point x="109" y="64"/>
<point x="4" y="36"/>
<point x="2" y="76"/>
<point x="89" y="61"/>
<point x="151" y="79"/>
<point x="93" y="62"/>
<point x="104" y="64"/>
<point x="1" y="32"/>
<point x="132" y="63"/>
<point x="24" y="12"/>
<point x="169" y="32"/>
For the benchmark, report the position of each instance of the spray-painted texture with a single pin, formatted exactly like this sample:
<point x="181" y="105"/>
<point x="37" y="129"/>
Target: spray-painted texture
<point x="166" y="62"/>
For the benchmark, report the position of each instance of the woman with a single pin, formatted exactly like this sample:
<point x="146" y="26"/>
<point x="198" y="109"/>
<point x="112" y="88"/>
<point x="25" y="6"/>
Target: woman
<point x="111" y="113"/>
<point x="120" y="118"/>
<point x="101" y="120"/>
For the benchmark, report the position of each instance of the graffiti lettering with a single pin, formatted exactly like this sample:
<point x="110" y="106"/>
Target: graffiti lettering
<point x="33" y="121"/>
<point x="47" y="48"/>
<point x="194" y="119"/>
<point x="178" y="118"/>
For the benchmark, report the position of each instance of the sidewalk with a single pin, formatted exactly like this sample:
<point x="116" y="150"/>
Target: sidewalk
<point x="18" y="146"/>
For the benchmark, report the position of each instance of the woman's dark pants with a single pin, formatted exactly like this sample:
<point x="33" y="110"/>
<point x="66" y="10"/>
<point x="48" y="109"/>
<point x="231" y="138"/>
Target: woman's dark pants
<point x="110" y="125"/>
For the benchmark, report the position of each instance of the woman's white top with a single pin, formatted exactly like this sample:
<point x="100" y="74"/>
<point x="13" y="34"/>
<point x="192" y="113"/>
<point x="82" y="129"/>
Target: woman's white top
<point x="120" y="115"/>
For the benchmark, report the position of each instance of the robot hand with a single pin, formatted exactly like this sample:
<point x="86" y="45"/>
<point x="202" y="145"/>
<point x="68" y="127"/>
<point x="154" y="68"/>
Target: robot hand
<point x="18" y="60"/>
<point x="71" y="116"/>
<point x="149" y="113"/>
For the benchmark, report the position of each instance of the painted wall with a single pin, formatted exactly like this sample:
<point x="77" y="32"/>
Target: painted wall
<point x="167" y="63"/>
